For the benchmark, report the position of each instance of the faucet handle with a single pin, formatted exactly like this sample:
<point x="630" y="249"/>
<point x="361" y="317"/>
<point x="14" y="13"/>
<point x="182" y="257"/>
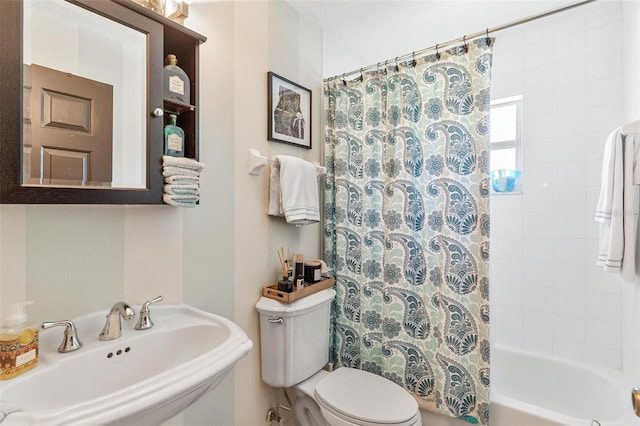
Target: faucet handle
<point x="144" y="322"/>
<point x="70" y="341"/>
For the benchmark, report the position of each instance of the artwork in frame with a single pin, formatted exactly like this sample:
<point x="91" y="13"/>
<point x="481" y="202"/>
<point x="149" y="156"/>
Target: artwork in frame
<point x="289" y="112"/>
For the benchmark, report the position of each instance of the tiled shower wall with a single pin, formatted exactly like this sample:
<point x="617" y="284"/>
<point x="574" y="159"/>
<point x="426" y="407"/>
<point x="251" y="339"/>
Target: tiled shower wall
<point x="547" y="294"/>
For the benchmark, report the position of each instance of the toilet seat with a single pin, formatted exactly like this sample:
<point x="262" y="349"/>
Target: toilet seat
<point x="363" y="398"/>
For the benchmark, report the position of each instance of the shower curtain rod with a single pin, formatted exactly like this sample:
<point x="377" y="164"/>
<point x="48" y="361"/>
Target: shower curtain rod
<point x="463" y="39"/>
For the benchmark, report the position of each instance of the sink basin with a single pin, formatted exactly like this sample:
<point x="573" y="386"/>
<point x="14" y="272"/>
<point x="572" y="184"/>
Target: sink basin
<point x="144" y="377"/>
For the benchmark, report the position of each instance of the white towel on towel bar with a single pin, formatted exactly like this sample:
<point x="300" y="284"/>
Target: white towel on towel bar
<point x="617" y="209"/>
<point x="293" y="190"/>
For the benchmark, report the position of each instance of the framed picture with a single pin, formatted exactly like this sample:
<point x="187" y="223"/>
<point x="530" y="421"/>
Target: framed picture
<point x="289" y="112"/>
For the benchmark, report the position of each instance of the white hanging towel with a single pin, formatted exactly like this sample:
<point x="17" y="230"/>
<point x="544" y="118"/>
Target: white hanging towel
<point x="293" y="190"/>
<point x="617" y="209"/>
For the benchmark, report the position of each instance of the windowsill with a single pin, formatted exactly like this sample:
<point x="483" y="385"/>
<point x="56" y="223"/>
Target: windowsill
<point x="506" y="193"/>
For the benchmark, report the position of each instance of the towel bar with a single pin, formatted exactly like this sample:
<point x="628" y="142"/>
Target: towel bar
<point x="257" y="161"/>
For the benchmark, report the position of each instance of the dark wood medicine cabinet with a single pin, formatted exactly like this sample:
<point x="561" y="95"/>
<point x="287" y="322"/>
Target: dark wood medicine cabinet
<point x="162" y="37"/>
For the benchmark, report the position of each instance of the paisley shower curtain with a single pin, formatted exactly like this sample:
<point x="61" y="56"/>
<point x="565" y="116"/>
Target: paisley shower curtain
<point x="406" y="225"/>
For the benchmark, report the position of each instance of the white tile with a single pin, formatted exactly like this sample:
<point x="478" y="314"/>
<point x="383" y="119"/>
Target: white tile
<point x="536" y="103"/>
<point x="537" y="322"/>
<point x="505" y="316"/>
<point x="536" y="151"/>
<point x="508" y="61"/>
<point x="538" y="199"/>
<point x="569" y="327"/>
<point x="539" y="176"/>
<point x="506" y="83"/>
<point x="538" y="53"/>
<point x="605" y="91"/>
<point x="569" y="199"/>
<point x="571" y="122"/>
<point x="604" y="333"/>
<point x="604" y="357"/>
<point x="603" y="12"/>
<point x="592" y="231"/>
<point x="538" y="274"/>
<point x="512" y="204"/>
<point x="601" y="281"/>
<point x="508" y="294"/>
<point x="569" y="72"/>
<point x="569" y="148"/>
<point x="537" y="249"/>
<point x="569" y="302"/>
<point x="596" y="68"/>
<point x="536" y="79"/>
<point x="569" y="174"/>
<point x="505" y="336"/>
<point x="539" y="343"/>
<point x="595" y="144"/>
<point x="569" y="97"/>
<point x="569" y="254"/>
<point x="537" y="31"/>
<point x="606" y="307"/>
<point x="569" y="46"/>
<point x="594" y="174"/>
<point x="511" y="39"/>
<point x="506" y="270"/>
<point x="569" y="276"/>
<point x="603" y="38"/>
<point x="569" y="225"/>
<point x="569" y="22"/>
<point x="537" y="224"/>
<point x="509" y="224"/>
<point x="593" y="193"/>
<point x="536" y="297"/>
<point x="570" y="350"/>
<point x="506" y="248"/>
<point x="603" y="119"/>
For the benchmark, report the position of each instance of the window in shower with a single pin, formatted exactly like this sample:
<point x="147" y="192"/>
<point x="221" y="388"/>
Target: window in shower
<point x="506" y="144"/>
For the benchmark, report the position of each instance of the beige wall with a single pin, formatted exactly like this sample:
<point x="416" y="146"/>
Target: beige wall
<point x="75" y="259"/>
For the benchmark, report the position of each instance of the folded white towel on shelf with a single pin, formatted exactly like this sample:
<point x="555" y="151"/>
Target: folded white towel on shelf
<point x="182" y="189"/>
<point x="293" y="190"/>
<point x="181" y="200"/>
<point x="176" y="171"/>
<point x="182" y="180"/>
<point x="617" y="208"/>
<point x="182" y="162"/>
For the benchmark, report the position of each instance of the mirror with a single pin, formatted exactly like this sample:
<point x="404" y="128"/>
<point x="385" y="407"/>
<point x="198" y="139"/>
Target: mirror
<point x="77" y="82"/>
<point x="84" y="105"/>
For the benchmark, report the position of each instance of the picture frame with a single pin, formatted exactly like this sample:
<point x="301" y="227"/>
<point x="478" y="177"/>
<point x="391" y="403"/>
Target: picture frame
<point x="289" y="112"/>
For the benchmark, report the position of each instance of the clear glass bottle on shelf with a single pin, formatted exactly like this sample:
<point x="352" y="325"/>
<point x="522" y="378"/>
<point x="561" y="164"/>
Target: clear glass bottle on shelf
<point x="177" y="86"/>
<point x="173" y="138"/>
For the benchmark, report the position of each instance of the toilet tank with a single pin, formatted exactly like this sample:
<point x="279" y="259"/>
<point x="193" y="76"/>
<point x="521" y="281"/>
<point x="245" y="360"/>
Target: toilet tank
<point x="294" y="338"/>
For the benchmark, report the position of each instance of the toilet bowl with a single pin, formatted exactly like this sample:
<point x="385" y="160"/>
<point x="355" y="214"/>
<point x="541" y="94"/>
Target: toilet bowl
<point x="351" y="397"/>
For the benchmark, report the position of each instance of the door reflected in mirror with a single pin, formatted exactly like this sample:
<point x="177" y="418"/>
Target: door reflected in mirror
<point x="84" y="99"/>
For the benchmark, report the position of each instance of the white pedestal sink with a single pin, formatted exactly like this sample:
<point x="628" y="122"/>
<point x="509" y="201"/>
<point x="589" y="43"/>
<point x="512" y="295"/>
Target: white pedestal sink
<point x="143" y="378"/>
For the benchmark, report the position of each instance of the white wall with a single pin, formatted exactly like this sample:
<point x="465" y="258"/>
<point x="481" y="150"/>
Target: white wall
<point x="75" y="259"/>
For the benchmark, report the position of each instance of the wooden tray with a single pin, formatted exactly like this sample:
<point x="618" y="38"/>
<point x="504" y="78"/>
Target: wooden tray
<point x="272" y="291"/>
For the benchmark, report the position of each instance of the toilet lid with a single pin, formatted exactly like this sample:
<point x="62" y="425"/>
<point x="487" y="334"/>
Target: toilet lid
<point x="365" y="396"/>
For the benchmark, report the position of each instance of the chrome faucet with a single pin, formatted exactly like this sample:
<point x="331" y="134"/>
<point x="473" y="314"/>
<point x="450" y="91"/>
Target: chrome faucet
<point x="144" y="320"/>
<point x="70" y="341"/>
<point x="113" y="327"/>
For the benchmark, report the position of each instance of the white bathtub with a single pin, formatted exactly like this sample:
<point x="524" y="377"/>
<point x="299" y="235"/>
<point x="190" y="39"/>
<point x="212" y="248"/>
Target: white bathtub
<point x="532" y="389"/>
<point x="536" y="390"/>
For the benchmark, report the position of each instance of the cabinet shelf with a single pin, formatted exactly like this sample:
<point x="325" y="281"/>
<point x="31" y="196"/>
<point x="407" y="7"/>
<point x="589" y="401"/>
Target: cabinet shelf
<point x="175" y="107"/>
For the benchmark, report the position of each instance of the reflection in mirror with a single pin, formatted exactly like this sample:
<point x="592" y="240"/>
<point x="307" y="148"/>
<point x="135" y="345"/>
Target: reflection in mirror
<point x="85" y="93"/>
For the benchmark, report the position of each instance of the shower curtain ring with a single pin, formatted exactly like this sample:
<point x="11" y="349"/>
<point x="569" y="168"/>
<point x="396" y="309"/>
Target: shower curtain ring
<point x="437" y="53"/>
<point x="466" y="46"/>
<point x="386" y="66"/>
<point x="361" y="76"/>
<point x="413" y="64"/>
<point x="397" y="67"/>
<point x="344" y="80"/>
<point x="488" y="40"/>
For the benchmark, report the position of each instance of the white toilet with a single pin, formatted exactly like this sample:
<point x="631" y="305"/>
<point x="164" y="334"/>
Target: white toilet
<point x="294" y="341"/>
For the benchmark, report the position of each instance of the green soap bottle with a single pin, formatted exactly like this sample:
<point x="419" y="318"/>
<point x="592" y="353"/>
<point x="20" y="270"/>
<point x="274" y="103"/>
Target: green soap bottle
<point x="173" y="138"/>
